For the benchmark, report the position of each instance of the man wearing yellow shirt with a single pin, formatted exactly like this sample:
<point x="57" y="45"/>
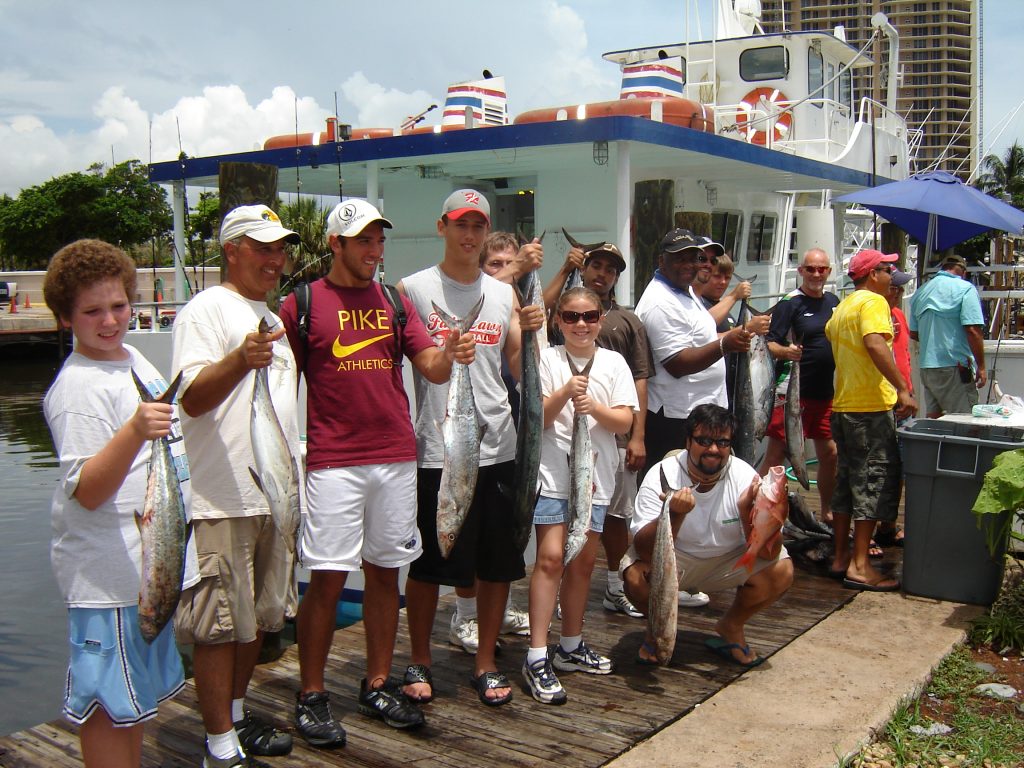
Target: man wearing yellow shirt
<point x="867" y="387"/>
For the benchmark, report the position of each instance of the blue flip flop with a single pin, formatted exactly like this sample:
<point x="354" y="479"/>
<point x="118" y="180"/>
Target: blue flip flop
<point x="724" y="648"/>
<point x="651" y="650"/>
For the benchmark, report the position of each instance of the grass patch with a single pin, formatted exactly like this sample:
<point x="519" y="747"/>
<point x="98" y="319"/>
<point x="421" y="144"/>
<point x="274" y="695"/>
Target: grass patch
<point x="985" y="732"/>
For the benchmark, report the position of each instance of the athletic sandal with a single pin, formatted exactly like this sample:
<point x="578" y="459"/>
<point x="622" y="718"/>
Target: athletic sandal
<point x="259" y="737"/>
<point x="889" y="537"/>
<point x="489" y="681"/>
<point x="419" y="673"/>
<point x="652" y="653"/>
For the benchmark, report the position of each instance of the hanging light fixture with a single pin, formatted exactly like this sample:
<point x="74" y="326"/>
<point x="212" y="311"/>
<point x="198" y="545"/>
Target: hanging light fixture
<point x="600" y="153"/>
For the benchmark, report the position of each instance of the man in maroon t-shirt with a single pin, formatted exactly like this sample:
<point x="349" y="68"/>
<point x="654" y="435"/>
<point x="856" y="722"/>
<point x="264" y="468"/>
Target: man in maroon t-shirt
<point x="360" y="463"/>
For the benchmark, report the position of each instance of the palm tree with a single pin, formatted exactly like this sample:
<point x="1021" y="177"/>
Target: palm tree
<point x="1003" y="177"/>
<point x="308" y="219"/>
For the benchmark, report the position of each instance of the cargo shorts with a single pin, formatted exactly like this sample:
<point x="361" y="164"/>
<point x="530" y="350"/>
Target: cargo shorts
<point x="246" y="582"/>
<point x="869" y="466"/>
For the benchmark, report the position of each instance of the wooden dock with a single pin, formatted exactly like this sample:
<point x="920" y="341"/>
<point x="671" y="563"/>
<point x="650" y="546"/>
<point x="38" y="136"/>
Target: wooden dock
<point x="604" y="717"/>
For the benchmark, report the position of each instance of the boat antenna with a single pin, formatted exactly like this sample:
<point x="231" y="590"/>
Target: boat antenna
<point x="337" y="147"/>
<point x="298" y="152"/>
<point x="417" y="118"/>
<point x="182" y="157"/>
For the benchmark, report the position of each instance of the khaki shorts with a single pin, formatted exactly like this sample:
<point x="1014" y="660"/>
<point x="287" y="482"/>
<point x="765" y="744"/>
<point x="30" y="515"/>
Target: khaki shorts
<point x="624" y="494"/>
<point x="709" y="574"/>
<point x="246" y="584"/>
<point x="943" y="391"/>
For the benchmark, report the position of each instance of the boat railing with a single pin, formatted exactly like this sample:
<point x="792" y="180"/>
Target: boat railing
<point x="164" y="312"/>
<point x="829" y="144"/>
<point x="884" y="117"/>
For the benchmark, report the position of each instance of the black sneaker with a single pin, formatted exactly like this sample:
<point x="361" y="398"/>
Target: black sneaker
<point x="390" y="705"/>
<point x="315" y="722"/>
<point x="259" y="737"/>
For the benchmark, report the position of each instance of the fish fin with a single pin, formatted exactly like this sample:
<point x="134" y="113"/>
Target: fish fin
<point x="138" y="520"/>
<point x="145" y="394"/>
<point x="168" y="396"/>
<point x="264" y="326"/>
<point x="256" y="479"/>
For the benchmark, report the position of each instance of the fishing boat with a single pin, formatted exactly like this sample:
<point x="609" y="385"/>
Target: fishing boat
<point x="745" y="136"/>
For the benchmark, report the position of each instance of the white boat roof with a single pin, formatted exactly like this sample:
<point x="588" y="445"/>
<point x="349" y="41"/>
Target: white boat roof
<point x="839" y="49"/>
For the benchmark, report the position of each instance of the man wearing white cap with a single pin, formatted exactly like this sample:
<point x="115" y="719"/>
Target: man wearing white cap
<point x="245" y="567"/>
<point x="484" y="552"/>
<point x="360" y="462"/>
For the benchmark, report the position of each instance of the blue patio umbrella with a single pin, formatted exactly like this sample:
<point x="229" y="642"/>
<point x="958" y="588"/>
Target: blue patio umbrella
<point x="938" y="209"/>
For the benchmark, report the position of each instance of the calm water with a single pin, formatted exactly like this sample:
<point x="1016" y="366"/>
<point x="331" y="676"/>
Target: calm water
<point x="33" y="624"/>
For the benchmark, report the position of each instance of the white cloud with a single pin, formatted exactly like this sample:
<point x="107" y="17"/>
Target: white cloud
<point x="378" y="106"/>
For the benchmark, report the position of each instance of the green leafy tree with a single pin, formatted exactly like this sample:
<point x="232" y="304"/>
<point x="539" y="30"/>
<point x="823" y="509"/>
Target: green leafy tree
<point x="202" y="228"/>
<point x="119" y="205"/>
<point x="1003" y="176"/>
<point x="308" y="219"/>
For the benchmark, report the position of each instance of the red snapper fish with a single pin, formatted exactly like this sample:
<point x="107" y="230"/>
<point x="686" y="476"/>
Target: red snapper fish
<point x="771" y="507"/>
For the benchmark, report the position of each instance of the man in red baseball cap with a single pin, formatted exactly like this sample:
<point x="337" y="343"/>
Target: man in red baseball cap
<point x="868" y="386"/>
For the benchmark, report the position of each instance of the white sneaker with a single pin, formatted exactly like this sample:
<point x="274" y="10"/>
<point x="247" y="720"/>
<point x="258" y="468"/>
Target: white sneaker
<point x="516" y="621"/>
<point x="464" y="634"/>
<point x="618" y="602"/>
<point x="695" y="600"/>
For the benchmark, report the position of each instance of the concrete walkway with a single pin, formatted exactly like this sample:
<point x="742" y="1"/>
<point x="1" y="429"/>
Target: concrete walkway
<point x="821" y="697"/>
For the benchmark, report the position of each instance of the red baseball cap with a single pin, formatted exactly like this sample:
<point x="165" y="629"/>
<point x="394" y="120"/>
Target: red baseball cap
<point x="867" y="260"/>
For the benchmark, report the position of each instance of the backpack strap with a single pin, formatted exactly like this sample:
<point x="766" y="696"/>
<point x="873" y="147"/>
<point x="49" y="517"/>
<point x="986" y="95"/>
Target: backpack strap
<point x="303" y="308"/>
<point x="398" y="326"/>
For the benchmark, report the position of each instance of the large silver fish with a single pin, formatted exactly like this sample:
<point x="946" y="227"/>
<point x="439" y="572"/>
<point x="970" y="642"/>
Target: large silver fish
<point x="581" y="479"/>
<point x="754" y="395"/>
<point x="795" y="425"/>
<point x="531" y="420"/>
<point x="163" y="530"/>
<point x="461" y="431"/>
<point x="663" y="603"/>
<point x="276" y="473"/>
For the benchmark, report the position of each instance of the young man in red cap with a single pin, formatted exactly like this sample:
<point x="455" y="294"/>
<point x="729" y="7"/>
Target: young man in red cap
<point x="868" y="385"/>
<point x="484" y="552"/>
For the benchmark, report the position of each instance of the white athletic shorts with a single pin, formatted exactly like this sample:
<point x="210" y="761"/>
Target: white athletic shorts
<point x="360" y="513"/>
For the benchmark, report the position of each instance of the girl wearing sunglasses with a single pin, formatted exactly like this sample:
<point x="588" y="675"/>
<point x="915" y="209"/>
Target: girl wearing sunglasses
<point x="604" y="392"/>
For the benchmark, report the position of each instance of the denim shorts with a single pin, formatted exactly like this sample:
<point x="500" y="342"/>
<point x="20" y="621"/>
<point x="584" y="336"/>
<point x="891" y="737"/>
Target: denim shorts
<point x="554" y="511"/>
<point x="113" y="667"/>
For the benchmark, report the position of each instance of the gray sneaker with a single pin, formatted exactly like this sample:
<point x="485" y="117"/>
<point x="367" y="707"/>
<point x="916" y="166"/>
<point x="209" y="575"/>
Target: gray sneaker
<point x="313" y="719"/>
<point x="581" y="660"/>
<point x="543" y="683"/>
<point x="618" y="602"/>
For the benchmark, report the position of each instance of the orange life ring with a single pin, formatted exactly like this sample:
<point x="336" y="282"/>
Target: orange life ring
<point x="747" y="119"/>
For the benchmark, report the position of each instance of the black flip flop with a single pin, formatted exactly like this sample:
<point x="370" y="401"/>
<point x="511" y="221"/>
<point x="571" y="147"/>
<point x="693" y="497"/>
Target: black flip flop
<point x="419" y="673"/>
<point x="864" y="586"/>
<point x="646" y="646"/>
<point x="488" y="681"/>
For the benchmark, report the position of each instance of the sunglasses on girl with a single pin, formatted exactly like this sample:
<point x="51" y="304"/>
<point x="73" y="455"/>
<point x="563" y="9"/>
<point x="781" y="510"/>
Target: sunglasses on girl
<point x="589" y="317"/>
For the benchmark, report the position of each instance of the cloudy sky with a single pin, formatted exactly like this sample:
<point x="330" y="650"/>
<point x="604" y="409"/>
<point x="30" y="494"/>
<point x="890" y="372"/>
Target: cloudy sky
<point x="110" y="80"/>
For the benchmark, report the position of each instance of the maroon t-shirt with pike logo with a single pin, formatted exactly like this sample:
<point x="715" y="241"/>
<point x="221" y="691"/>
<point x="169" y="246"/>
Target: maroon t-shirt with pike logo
<point x="357" y="408"/>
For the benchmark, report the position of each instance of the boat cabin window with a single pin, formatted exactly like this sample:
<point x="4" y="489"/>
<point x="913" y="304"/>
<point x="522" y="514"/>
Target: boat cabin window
<point x="846" y="87"/>
<point x="815" y="76"/>
<point x="761" y="239"/>
<point x="830" y="73"/>
<point x="768" y="63"/>
<point x="725" y="229"/>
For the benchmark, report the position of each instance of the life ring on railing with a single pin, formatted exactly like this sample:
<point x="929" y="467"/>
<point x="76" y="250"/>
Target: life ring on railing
<point x="752" y="125"/>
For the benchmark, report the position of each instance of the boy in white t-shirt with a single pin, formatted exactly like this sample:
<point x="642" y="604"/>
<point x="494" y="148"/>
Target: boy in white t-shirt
<point x="103" y="436"/>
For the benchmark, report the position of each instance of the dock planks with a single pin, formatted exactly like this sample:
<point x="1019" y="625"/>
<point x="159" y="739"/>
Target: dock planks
<point x="605" y="715"/>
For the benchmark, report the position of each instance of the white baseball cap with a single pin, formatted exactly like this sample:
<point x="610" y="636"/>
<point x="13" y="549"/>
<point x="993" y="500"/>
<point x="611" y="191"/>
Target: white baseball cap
<point x="258" y="222"/>
<point x="350" y="217"/>
<point x="462" y="201"/>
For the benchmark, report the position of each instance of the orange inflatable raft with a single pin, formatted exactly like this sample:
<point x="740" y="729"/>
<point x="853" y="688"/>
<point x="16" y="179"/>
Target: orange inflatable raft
<point x="682" y="112"/>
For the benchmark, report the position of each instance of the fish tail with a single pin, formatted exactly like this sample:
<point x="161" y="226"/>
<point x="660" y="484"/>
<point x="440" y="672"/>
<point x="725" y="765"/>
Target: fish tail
<point x="747" y="561"/>
<point x="144" y="393"/>
<point x="169" y="394"/>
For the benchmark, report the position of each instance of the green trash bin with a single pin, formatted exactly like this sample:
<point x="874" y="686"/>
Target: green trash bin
<point x="945" y="553"/>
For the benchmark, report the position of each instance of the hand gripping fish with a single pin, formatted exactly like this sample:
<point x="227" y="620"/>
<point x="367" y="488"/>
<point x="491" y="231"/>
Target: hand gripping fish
<point x="754" y="394"/>
<point x="663" y="604"/>
<point x="163" y="530"/>
<point x="276" y="473"/>
<point x="794" y="423"/>
<point x="462" y="432"/>
<point x="771" y="506"/>
<point x="581" y="478"/>
<point x="531" y="421"/>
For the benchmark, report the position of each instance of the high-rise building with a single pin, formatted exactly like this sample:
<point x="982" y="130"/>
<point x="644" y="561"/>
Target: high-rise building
<point x="939" y="57"/>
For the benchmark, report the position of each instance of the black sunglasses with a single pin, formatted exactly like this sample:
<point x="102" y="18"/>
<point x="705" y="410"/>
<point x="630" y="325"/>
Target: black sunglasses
<point x="589" y="317"/>
<point x="705" y="441"/>
<point x="700" y="258"/>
